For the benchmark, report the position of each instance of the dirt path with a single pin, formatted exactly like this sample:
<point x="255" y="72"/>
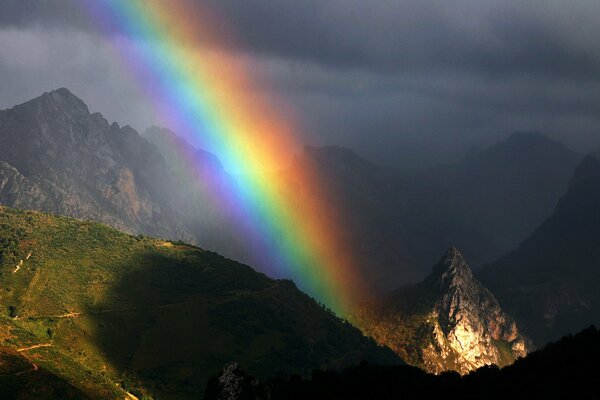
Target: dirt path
<point x="129" y="395"/>
<point x="35" y="346"/>
<point x="34" y="366"/>
<point x="226" y="297"/>
<point x="20" y="264"/>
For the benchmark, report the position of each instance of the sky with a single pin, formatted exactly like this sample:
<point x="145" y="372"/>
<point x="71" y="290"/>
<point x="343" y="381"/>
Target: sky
<point x="403" y="83"/>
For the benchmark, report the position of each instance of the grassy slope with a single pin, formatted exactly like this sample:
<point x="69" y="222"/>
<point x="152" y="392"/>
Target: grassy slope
<point x="153" y="316"/>
<point x="21" y="378"/>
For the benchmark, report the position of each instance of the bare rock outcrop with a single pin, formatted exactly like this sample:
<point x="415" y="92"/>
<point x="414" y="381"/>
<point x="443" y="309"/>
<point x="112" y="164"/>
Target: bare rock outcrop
<point x="450" y="321"/>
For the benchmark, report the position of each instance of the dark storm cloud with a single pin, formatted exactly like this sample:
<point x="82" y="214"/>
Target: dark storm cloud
<point x="49" y="13"/>
<point x="490" y="37"/>
<point x="399" y="79"/>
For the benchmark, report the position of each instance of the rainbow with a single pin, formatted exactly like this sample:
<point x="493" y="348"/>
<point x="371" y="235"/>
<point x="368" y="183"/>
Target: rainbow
<point x="176" y="51"/>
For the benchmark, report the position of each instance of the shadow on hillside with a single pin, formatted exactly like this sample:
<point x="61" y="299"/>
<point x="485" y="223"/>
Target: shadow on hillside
<point x="177" y="316"/>
<point x="157" y="318"/>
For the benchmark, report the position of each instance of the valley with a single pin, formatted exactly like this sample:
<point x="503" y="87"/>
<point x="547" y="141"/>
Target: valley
<point x="107" y="311"/>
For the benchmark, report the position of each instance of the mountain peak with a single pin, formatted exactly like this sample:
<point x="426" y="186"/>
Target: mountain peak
<point x="452" y="265"/>
<point x="453" y="255"/>
<point x="63" y="96"/>
<point x="588" y="169"/>
<point x="527" y="136"/>
<point x="172" y="146"/>
<point x="525" y="144"/>
<point x="57" y="101"/>
<point x="459" y="322"/>
<point x="335" y="153"/>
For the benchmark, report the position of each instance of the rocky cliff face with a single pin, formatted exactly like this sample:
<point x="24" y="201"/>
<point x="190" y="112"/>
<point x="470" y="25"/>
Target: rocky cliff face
<point x="58" y="157"/>
<point x="450" y="321"/>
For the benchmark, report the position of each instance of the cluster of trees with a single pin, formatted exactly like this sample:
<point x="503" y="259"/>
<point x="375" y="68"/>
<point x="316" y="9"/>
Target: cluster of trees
<point x="566" y="369"/>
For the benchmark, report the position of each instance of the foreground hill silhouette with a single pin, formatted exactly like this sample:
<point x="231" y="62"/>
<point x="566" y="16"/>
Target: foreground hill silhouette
<point x="106" y="311"/>
<point x="567" y="369"/>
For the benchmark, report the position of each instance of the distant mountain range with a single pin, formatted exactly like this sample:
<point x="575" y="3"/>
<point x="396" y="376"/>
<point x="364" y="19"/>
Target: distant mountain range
<point x="56" y="156"/>
<point x="551" y="282"/>
<point x="397" y="222"/>
<point x="447" y="322"/>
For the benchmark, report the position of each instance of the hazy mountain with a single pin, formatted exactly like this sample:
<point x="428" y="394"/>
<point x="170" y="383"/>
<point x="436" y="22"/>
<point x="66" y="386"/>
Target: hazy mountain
<point x="395" y="221"/>
<point x="101" y="307"/>
<point x="369" y="202"/>
<point x="198" y="175"/>
<point x="57" y="157"/>
<point x="497" y="197"/>
<point x="551" y="282"/>
<point x="447" y="322"/>
<point x="60" y="158"/>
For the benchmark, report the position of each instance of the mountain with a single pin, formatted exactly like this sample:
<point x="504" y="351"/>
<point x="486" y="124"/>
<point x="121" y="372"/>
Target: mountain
<point x="450" y="321"/>
<point x="172" y="147"/>
<point x="551" y="282"/>
<point x="105" y="312"/>
<point x="369" y="202"/>
<point x="397" y="220"/>
<point x="58" y="157"/>
<point x="194" y="171"/>
<point x="498" y="196"/>
<point x="562" y="370"/>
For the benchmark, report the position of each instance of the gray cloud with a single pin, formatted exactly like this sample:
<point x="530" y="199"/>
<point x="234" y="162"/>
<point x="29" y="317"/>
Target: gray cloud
<point x="406" y="82"/>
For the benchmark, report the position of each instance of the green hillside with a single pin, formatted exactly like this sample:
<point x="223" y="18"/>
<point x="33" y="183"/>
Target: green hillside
<point x="110" y="311"/>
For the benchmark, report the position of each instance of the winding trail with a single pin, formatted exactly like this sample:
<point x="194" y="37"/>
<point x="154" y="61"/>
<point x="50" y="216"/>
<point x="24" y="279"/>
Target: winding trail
<point x="35" y="346"/>
<point x="34" y="366"/>
<point x="226" y="297"/>
<point x="20" y="264"/>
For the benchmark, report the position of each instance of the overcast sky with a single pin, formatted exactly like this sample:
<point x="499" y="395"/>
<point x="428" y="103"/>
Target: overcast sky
<point x="401" y="82"/>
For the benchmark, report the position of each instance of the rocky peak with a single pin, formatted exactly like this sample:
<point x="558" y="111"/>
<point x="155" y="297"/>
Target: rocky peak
<point x="530" y="137"/>
<point x="172" y="146"/>
<point x="450" y="318"/>
<point x="69" y="161"/>
<point x="588" y="169"/>
<point x="60" y="101"/>
<point x="452" y="270"/>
